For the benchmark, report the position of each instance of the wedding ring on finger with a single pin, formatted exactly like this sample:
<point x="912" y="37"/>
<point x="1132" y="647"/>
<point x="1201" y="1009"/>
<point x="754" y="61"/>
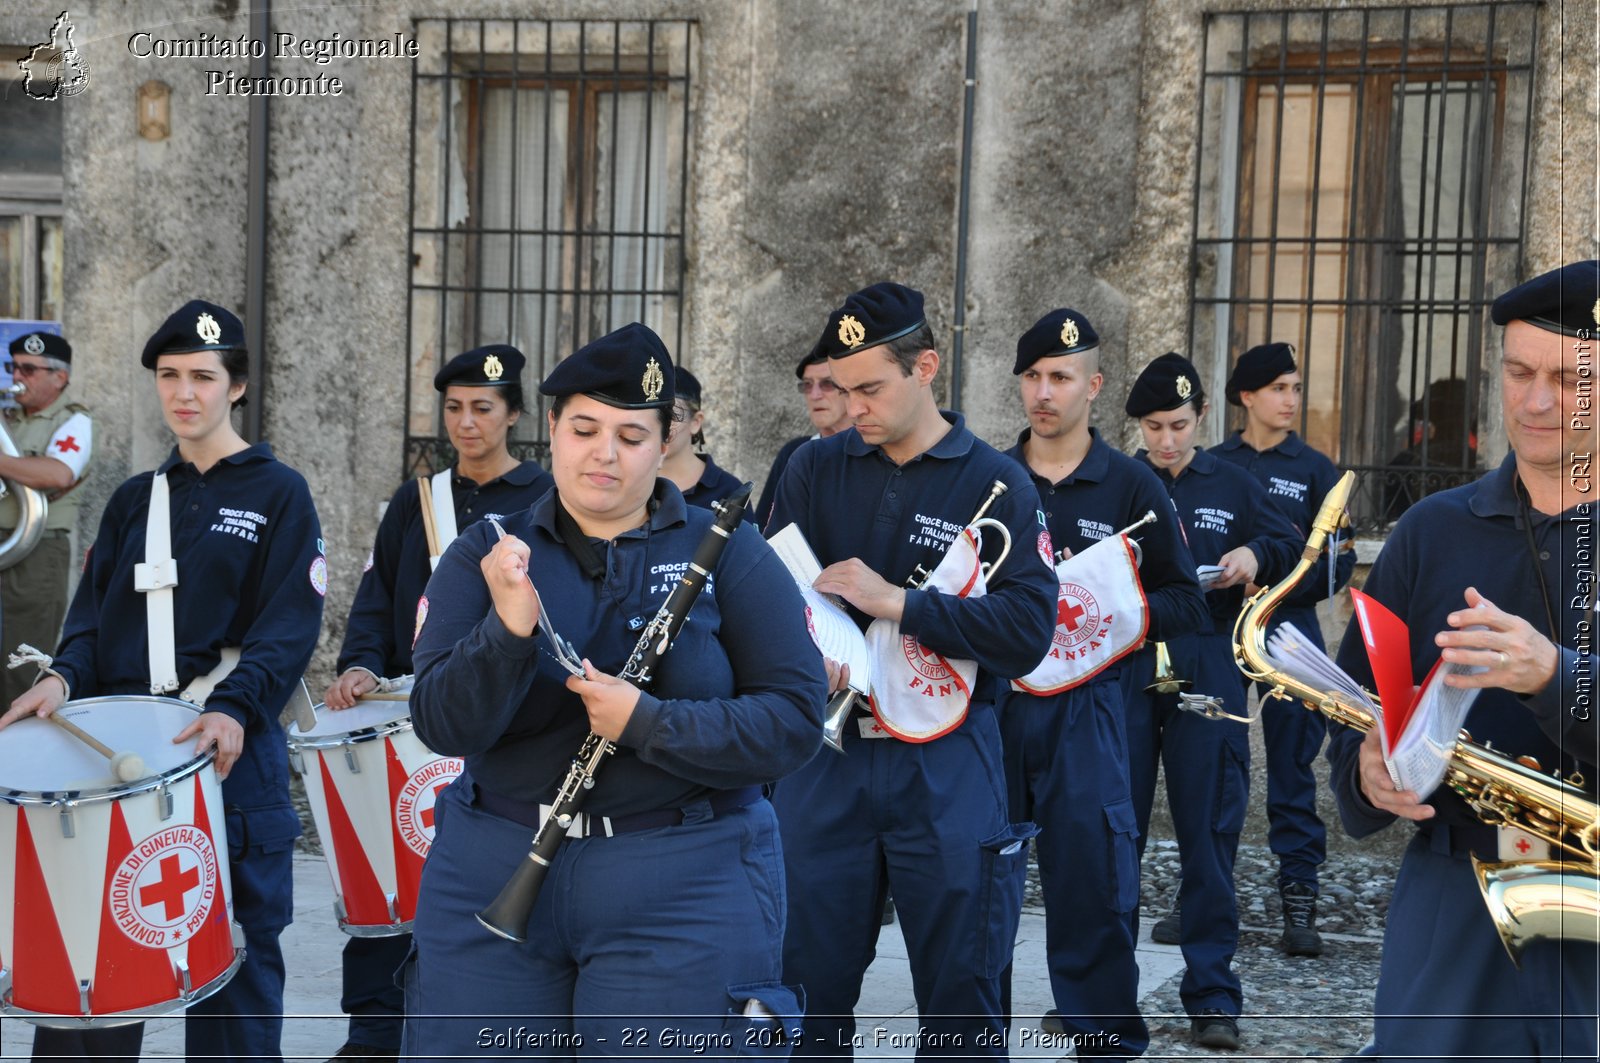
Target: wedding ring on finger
<point x="1505" y="660"/>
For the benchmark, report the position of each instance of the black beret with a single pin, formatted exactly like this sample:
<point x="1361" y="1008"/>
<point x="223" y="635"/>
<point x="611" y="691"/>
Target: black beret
<point x="886" y="311"/>
<point x="198" y="326"/>
<point x="818" y="353"/>
<point x="629" y="369"/>
<point x="1058" y="332"/>
<point x="1258" y="367"/>
<point x="688" y="387"/>
<point x="1166" y="383"/>
<point x="43" y="345"/>
<point x="1565" y="300"/>
<point x="483" y="367"/>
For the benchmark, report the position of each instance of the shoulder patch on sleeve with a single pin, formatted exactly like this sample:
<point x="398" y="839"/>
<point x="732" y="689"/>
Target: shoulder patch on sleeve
<point x="422" y="618"/>
<point x="319" y="575"/>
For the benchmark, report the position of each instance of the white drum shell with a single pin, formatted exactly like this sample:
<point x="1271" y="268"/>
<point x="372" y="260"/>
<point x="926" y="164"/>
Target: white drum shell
<point x="74" y="810"/>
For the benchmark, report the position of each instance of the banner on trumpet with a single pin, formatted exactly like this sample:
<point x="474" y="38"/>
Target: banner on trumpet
<point x="1101" y="617"/>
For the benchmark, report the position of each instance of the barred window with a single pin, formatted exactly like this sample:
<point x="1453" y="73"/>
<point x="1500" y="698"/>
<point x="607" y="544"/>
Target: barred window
<point x="548" y="196"/>
<point x="1360" y="194"/>
<point x="31" y="250"/>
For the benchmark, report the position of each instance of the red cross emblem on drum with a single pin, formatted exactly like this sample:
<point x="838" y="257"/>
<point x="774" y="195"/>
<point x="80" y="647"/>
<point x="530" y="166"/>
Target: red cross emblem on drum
<point x="162" y="892"/>
<point x="1077" y="616"/>
<point x="413" y="808"/>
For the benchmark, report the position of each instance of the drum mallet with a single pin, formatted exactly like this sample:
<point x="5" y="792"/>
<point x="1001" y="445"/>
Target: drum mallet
<point x="125" y="766"/>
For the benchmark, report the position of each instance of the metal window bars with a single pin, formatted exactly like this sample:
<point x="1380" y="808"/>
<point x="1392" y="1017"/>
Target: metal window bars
<point x="548" y="197"/>
<point x="1360" y="193"/>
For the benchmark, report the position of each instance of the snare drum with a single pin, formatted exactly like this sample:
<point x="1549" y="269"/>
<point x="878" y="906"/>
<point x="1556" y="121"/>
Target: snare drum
<point x="123" y="906"/>
<point x="372" y="786"/>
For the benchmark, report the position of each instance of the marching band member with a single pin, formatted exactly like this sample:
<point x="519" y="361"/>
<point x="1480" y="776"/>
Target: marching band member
<point x="825" y="406"/>
<point x="482" y="392"/>
<point x="251" y="575"/>
<point x="1498" y="574"/>
<point x="667" y="898"/>
<point x="1229" y="522"/>
<point x="700" y="479"/>
<point x="1297" y="476"/>
<point x="1067" y="752"/>
<point x="54" y="437"/>
<point x="927" y="818"/>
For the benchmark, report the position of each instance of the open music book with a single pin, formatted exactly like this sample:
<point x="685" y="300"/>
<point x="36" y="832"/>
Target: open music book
<point x="1420" y="729"/>
<point x="830" y="625"/>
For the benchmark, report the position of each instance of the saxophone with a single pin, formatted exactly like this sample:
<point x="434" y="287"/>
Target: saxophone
<point x="1529" y="900"/>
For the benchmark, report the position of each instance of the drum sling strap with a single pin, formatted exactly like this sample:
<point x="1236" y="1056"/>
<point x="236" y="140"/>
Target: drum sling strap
<point x="154" y="578"/>
<point x="439" y="514"/>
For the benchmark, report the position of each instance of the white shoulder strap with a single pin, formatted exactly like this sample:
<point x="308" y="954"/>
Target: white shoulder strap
<point x="155" y="578"/>
<point x="444" y="513"/>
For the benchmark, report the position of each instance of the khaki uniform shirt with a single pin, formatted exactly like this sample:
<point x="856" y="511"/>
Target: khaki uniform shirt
<point x="31" y="432"/>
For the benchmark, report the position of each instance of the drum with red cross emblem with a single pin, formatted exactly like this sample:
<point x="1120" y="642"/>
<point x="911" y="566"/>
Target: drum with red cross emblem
<point x="372" y="785"/>
<point x="121" y="906"/>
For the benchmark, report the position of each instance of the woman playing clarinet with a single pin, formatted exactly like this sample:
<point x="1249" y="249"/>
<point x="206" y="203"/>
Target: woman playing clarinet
<point x="657" y="930"/>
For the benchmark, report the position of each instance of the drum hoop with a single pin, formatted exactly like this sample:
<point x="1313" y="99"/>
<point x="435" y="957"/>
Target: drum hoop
<point x="71" y="798"/>
<point x="400" y="725"/>
<point x="121" y="1018"/>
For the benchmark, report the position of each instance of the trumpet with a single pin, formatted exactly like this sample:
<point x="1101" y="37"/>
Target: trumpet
<point x="1529" y="900"/>
<point x="1165" y="682"/>
<point x="31" y="504"/>
<point x="843" y="704"/>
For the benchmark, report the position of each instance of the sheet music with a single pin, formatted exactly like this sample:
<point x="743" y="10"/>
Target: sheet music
<point x="1209" y="576"/>
<point x="1296" y="655"/>
<point x="831" y="627"/>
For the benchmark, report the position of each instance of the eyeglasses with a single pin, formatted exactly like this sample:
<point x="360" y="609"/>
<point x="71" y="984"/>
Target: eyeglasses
<point x="827" y="387"/>
<point x="27" y="368"/>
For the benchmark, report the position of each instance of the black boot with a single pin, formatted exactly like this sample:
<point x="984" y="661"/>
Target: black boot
<point x="1168" y="929"/>
<point x="1300" y="937"/>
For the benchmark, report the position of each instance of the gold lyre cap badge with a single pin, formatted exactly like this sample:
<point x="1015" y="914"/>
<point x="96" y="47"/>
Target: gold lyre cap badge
<point x="492" y="368"/>
<point x="208" y="329"/>
<point x="1184" y="388"/>
<point x="654" y="380"/>
<point x="1069" y="333"/>
<point x="852" y="333"/>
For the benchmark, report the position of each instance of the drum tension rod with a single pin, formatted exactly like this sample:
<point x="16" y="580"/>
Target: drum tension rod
<point x="68" y="830"/>
<point x="350" y="759"/>
<point x="164" y="799"/>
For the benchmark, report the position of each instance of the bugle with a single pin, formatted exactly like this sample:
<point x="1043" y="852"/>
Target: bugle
<point x="508" y="914"/>
<point x="843" y="703"/>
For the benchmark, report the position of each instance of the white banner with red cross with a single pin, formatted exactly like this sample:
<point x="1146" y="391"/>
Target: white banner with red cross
<point x="1101" y="616"/>
<point x="918" y="694"/>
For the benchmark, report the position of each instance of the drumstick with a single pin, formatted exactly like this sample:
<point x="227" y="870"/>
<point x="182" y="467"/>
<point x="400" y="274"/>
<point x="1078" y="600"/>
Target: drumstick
<point x="430" y="532"/>
<point x="384" y="695"/>
<point x="125" y="766"/>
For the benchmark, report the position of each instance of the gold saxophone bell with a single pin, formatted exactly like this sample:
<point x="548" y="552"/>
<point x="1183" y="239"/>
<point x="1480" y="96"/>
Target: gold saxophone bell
<point x="1528" y="900"/>
<point x="1165" y="681"/>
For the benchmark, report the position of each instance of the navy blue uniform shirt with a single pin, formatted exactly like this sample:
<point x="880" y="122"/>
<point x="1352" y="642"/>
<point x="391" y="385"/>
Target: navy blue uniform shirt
<point x="1297" y="477"/>
<point x="769" y="490"/>
<point x="1107" y="492"/>
<point x="383" y="618"/>
<point x="737" y="700"/>
<point x="1223" y="507"/>
<point x="717" y="483"/>
<point x="251" y="574"/>
<point x="850" y="500"/>
<point x="1477" y="536"/>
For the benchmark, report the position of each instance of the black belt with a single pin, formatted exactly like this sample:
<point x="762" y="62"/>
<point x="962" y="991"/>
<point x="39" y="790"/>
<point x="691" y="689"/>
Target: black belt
<point x="527" y="812"/>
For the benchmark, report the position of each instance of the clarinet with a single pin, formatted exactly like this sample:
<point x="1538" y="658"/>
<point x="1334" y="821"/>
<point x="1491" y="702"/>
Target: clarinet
<point x="508" y="914"/>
